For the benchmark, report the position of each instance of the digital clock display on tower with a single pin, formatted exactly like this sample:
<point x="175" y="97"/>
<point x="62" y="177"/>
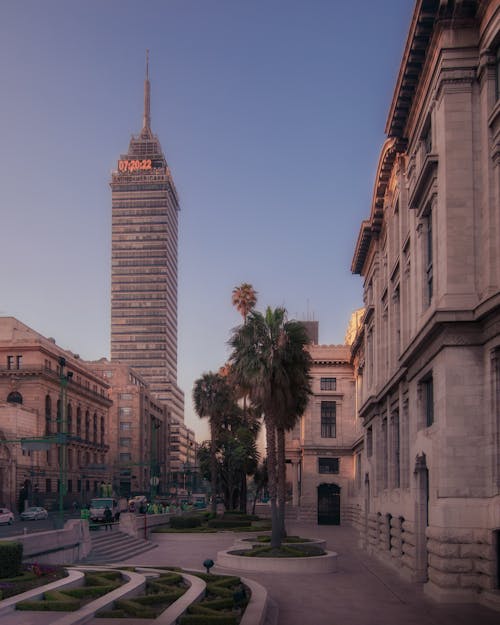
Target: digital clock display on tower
<point x="133" y="165"/>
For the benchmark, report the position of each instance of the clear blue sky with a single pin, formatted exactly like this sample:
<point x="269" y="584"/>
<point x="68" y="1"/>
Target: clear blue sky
<point x="271" y="114"/>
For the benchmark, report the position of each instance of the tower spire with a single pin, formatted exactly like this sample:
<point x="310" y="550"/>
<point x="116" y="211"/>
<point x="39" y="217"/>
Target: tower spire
<point x="146" y="120"/>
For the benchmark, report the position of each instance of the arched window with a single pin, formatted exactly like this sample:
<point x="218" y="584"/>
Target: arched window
<point x="95" y="427"/>
<point x="48" y="414"/>
<point x="87" y="426"/>
<point x="102" y="430"/>
<point x="15" y="398"/>
<point x="58" y="415"/>
<point x="78" y="421"/>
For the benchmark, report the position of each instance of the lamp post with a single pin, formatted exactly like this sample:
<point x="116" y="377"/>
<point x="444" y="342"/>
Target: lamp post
<point x="62" y="434"/>
<point x="154" y="479"/>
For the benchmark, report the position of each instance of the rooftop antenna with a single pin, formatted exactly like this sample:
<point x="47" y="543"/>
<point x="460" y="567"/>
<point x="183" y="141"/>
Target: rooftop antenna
<point x="146" y="120"/>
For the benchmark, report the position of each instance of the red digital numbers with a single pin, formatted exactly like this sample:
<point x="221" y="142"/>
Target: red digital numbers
<point x="131" y="166"/>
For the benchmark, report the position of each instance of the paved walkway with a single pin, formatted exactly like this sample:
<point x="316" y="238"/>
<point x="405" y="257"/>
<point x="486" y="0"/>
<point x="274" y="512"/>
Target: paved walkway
<point x="361" y="592"/>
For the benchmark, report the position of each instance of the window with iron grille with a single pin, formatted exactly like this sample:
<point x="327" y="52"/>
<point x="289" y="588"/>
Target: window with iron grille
<point x="328" y="384"/>
<point x="328" y="419"/>
<point x="328" y="465"/>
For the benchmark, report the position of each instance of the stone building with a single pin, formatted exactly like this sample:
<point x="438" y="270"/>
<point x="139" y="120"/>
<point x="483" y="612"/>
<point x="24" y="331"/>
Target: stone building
<point x="427" y="357"/>
<point x="138" y="432"/>
<point x="53" y="420"/>
<point x="323" y="451"/>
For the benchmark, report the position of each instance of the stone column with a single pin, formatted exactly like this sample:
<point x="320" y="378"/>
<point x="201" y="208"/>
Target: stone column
<point x="421" y="518"/>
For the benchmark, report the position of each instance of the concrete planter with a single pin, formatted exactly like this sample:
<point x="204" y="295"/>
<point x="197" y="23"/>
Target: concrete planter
<point x="314" y="564"/>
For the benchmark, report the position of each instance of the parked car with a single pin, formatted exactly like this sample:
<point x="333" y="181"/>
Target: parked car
<point x="6" y="516"/>
<point x="34" y="513"/>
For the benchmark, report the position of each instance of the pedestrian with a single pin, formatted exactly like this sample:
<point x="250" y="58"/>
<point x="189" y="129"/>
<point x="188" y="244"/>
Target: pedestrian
<point x="108" y="518"/>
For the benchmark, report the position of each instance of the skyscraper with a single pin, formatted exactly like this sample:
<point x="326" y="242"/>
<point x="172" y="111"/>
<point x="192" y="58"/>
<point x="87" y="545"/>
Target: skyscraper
<point x="145" y="210"/>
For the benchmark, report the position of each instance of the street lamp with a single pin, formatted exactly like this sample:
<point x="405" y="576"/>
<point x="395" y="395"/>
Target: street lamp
<point x="62" y="434"/>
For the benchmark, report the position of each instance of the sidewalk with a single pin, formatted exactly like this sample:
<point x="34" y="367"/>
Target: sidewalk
<point x="361" y="592"/>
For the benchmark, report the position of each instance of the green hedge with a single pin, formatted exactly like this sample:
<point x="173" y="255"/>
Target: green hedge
<point x="183" y="522"/>
<point x="134" y="609"/>
<point x="11" y="557"/>
<point x="208" y="619"/>
<point x="228" y="523"/>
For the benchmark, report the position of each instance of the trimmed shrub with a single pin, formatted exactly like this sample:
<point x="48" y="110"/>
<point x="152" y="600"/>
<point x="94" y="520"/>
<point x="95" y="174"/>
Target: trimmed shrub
<point x="228" y="523"/>
<point x="11" y="557"/>
<point x="83" y="592"/>
<point x="212" y="604"/>
<point x="160" y="597"/>
<point x="135" y="609"/>
<point x="208" y="619"/>
<point x="185" y="522"/>
<point x="111" y="614"/>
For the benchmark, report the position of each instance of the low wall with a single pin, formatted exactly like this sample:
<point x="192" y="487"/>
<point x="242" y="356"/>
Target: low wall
<point x="63" y="546"/>
<point x="140" y="525"/>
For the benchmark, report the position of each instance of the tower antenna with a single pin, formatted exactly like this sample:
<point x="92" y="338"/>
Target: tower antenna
<point x="146" y="121"/>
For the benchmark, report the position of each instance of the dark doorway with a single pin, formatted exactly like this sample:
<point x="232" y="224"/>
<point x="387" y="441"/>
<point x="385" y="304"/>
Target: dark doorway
<point x="328" y="504"/>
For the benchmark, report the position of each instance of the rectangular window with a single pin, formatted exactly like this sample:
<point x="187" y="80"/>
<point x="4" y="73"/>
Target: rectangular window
<point x="10" y="362"/>
<point x="125" y="396"/>
<point x="125" y="425"/>
<point x="498" y="73"/>
<point x="125" y="442"/>
<point x="358" y="471"/>
<point x="48" y="485"/>
<point x="428" y="400"/>
<point x="396" y="450"/>
<point x="328" y="384"/>
<point x="328" y="465"/>
<point x="124" y="412"/>
<point x="369" y="441"/>
<point x="19" y="360"/>
<point x="70" y="486"/>
<point x="125" y="457"/>
<point x="79" y="486"/>
<point x="328" y="419"/>
<point x="428" y="246"/>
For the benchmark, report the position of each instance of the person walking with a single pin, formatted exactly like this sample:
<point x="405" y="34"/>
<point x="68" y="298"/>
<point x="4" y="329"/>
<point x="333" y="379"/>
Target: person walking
<point x="108" y="518"/>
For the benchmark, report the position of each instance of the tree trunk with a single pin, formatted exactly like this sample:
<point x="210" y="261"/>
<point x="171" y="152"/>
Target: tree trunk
<point x="281" y="472"/>
<point x="243" y="492"/>
<point x="213" y="468"/>
<point x="271" y="469"/>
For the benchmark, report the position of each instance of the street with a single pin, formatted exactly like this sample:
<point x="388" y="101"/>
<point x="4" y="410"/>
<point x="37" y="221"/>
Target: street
<point x="19" y="527"/>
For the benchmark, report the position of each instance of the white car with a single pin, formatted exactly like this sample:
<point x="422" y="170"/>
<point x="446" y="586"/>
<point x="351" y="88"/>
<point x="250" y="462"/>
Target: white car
<point x="33" y="514"/>
<point x="6" y="516"/>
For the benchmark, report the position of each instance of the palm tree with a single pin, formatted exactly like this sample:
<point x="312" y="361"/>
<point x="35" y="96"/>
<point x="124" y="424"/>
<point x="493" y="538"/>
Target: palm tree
<point x="213" y="398"/>
<point x="244" y="298"/>
<point x="269" y="358"/>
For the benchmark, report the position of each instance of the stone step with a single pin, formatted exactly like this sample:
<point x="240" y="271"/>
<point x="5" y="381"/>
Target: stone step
<point x="113" y="546"/>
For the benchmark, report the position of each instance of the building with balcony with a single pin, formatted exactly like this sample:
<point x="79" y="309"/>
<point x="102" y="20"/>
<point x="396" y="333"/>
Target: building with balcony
<point x="427" y="355"/>
<point x="53" y="420"/>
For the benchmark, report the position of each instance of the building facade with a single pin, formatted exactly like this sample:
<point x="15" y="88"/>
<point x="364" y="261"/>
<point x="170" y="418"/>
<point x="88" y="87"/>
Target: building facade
<point x="323" y="451"/>
<point x="54" y="417"/>
<point x="145" y="210"/>
<point x="427" y="356"/>
<point x="138" y="432"/>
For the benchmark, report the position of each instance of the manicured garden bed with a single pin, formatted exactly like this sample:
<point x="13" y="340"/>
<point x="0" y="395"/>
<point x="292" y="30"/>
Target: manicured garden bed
<point x="224" y="603"/>
<point x="206" y="523"/>
<point x="96" y="584"/>
<point x="160" y="592"/>
<point x="285" y="551"/>
<point x="31" y="576"/>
